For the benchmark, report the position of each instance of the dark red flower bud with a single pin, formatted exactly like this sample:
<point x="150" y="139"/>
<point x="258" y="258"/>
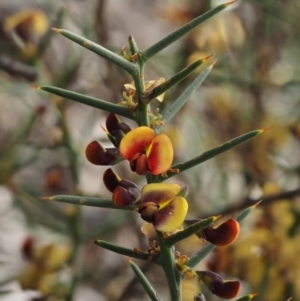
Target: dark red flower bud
<point x="99" y="155"/>
<point x="124" y="192"/>
<point x="132" y="188"/>
<point x="222" y="235"/>
<point x="215" y="283"/>
<point x="116" y="127"/>
<point x="121" y="197"/>
<point x="227" y="290"/>
<point x="111" y="179"/>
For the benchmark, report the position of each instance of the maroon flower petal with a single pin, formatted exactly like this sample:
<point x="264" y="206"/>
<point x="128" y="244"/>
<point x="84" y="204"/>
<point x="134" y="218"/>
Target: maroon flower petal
<point x="222" y="235"/>
<point x="121" y="197"/>
<point x="99" y="155"/>
<point x="227" y="289"/>
<point x="111" y="179"/>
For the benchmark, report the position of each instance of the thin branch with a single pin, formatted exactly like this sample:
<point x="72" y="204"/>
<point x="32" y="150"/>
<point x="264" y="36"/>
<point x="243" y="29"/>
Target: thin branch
<point x="266" y="200"/>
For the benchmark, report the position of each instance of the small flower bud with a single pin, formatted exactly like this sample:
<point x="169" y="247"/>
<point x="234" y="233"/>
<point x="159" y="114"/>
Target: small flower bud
<point x="114" y="124"/>
<point x="222" y="235"/>
<point x="99" y="155"/>
<point x="121" y="197"/>
<point x="124" y="192"/>
<point x="116" y="127"/>
<point x="132" y="188"/>
<point x="130" y="193"/>
<point x="215" y="283"/>
<point x="111" y="180"/>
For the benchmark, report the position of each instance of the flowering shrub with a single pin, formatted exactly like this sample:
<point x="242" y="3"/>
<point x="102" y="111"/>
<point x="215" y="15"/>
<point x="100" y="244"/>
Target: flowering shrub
<point x="163" y="206"/>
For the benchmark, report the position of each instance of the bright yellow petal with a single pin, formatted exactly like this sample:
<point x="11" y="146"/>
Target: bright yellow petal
<point x="160" y="154"/>
<point x="160" y="193"/>
<point x="136" y="141"/>
<point x="172" y="216"/>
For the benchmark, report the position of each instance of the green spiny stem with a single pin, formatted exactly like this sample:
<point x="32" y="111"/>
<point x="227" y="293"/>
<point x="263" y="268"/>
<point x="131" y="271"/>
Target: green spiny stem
<point x="188" y="231"/>
<point x="242" y="215"/>
<point x="198" y="257"/>
<point x="194" y="260"/>
<point x="145" y="282"/>
<point x="177" y="34"/>
<point x="105" y="53"/>
<point x="127" y="252"/>
<point x="54" y="211"/>
<point x="178" y="77"/>
<point x="88" y="100"/>
<point x="211" y="153"/>
<point x="167" y="261"/>
<point x="183" y="98"/>
<point x="142" y="117"/>
<point x="86" y="201"/>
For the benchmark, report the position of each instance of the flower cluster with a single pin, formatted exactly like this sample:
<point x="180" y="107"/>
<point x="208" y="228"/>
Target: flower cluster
<point x="162" y="206"/>
<point x="147" y="152"/>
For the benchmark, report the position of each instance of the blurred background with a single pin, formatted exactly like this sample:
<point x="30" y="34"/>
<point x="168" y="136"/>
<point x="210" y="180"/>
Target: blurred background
<point x="47" y="250"/>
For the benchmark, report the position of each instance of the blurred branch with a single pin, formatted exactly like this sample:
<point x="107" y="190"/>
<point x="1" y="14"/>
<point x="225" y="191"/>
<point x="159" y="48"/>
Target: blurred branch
<point x="127" y="291"/>
<point x="266" y="200"/>
<point x="100" y="25"/>
<point x="16" y="68"/>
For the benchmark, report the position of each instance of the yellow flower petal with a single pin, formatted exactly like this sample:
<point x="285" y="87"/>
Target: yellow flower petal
<point x="136" y="141"/>
<point x="160" y="154"/>
<point x="160" y="193"/>
<point x="172" y="216"/>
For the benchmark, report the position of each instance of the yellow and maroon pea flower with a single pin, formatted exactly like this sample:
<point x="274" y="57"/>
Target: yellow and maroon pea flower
<point x="147" y="152"/>
<point x="163" y="206"/>
<point x="124" y="192"/>
<point x="218" y="286"/>
<point x="221" y="235"/>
